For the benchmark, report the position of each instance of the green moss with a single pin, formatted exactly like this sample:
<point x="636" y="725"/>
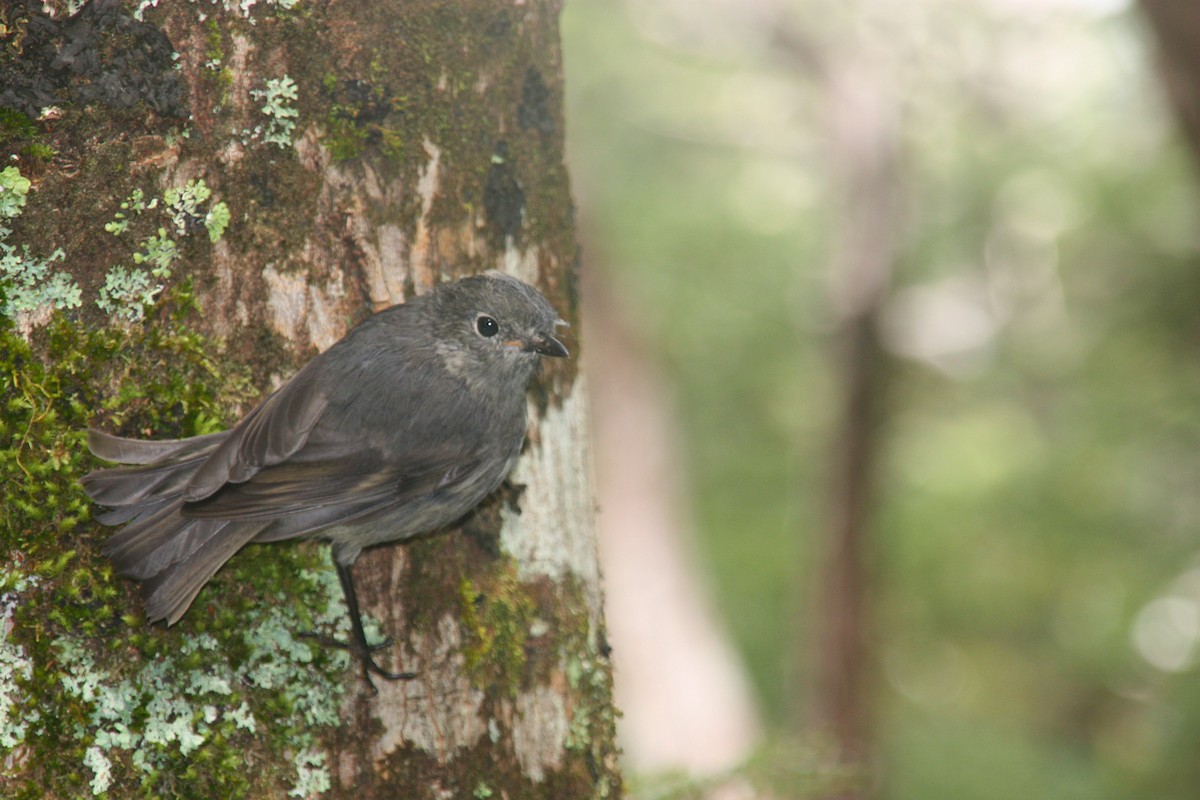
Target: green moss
<point x="19" y="135"/>
<point x="16" y="125"/>
<point x="496" y="614"/>
<point x="215" y="69"/>
<point x="214" y="50"/>
<point x="592" y="734"/>
<point x="522" y="634"/>
<point x="343" y="138"/>
<point x="363" y="113"/>
<point x="101" y="699"/>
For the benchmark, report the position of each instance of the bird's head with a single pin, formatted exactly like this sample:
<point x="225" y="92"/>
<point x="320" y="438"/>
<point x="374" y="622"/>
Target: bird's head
<point x="494" y="322"/>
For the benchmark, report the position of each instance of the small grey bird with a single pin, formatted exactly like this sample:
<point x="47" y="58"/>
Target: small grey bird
<point x="399" y="429"/>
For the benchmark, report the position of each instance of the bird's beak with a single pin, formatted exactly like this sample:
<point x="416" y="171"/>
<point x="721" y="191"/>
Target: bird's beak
<point x="547" y="345"/>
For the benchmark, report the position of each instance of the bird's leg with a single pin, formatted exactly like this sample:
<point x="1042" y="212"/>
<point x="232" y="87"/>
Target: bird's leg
<point x="357" y="645"/>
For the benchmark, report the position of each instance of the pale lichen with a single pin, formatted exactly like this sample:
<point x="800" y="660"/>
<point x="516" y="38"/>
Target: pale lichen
<point x="127" y="290"/>
<point x="277" y="105"/>
<point x="244" y="8"/>
<point x="312" y="774"/>
<point x="95" y="760"/>
<point x="15" y="665"/>
<point x="175" y="704"/>
<point x="31" y="287"/>
<point x="14" y="189"/>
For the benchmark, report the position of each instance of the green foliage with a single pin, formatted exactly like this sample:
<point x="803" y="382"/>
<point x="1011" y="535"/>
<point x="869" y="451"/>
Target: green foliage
<point x="1035" y="528"/>
<point x="785" y="768"/>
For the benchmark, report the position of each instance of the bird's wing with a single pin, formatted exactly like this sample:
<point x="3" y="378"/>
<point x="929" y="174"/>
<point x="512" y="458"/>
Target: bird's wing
<point x="292" y="488"/>
<point x="270" y="434"/>
<point x="303" y="496"/>
<point x="304" y="459"/>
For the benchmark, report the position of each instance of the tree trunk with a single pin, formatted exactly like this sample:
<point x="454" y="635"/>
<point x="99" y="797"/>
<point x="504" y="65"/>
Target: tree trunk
<point x="864" y="145"/>
<point x="288" y="167"/>
<point x="864" y="139"/>
<point x="673" y="649"/>
<point x="1176" y="26"/>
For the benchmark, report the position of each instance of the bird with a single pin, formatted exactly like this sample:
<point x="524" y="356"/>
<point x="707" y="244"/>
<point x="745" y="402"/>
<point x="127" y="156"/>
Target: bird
<point x="397" y="430"/>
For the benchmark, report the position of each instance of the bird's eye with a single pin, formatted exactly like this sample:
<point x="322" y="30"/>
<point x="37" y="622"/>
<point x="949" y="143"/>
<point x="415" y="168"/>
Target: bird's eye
<point x="487" y="326"/>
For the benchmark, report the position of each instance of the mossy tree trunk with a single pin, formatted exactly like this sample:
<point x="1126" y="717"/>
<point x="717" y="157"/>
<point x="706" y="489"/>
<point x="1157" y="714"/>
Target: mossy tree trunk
<point x="232" y="185"/>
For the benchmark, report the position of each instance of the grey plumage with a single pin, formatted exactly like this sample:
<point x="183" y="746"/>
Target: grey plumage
<point x="398" y="429"/>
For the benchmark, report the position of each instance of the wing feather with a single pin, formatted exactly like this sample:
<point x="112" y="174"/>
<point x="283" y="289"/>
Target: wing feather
<point x="270" y="434"/>
<point x="301" y="497"/>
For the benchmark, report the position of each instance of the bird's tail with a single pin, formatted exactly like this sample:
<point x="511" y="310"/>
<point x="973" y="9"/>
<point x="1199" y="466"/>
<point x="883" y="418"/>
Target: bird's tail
<point x="171" y="555"/>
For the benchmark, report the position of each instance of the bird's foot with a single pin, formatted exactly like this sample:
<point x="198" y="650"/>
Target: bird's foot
<point x="363" y="653"/>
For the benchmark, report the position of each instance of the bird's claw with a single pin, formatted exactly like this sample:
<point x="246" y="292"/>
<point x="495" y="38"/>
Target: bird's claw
<point x="362" y="652"/>
<point x="329" y="641"/>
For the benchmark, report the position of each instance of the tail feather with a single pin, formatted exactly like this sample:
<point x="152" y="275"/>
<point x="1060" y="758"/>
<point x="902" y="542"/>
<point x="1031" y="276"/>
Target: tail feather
<point x="171" y="555"/>
<point x="157" y="538"/>
<point x="162" y="468"/>
<point x="117" y="516"/>
<point x="171" y="591"/>
<point x="120" y="450"/>
<point x="134" y="486"/>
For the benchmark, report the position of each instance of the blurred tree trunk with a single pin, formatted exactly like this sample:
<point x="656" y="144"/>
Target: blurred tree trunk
<point x="864" y="135"/>
<point x="673" y="647"/>
<point x="365" y="151"/>
<point x="1176" y="26"/>
<point x="864" y="143"/>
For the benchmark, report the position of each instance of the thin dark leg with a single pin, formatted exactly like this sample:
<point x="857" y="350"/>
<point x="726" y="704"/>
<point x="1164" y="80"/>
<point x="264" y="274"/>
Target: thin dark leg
<point x="357" y="645"/>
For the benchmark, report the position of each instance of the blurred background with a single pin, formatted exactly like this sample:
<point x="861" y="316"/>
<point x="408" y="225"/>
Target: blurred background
<point x="894" y="337"/>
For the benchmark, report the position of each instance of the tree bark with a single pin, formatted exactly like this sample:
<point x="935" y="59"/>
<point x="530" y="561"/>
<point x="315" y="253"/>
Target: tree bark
<point x="364" y="152"/>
